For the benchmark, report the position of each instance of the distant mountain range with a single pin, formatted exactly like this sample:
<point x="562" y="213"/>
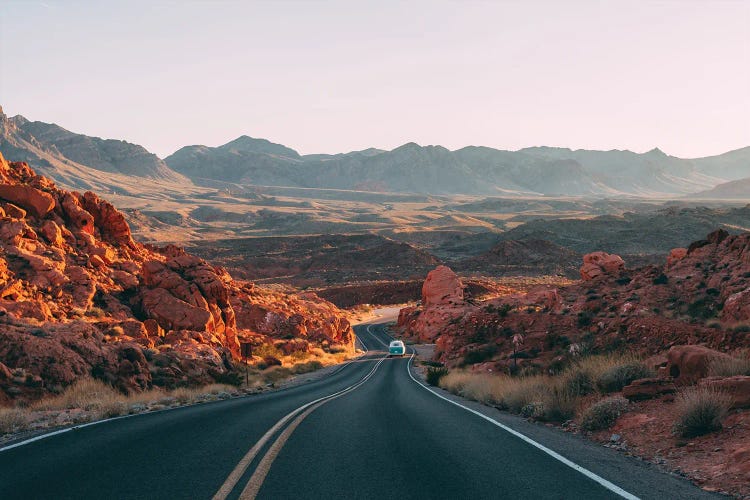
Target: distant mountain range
<point x="77" y="161"/>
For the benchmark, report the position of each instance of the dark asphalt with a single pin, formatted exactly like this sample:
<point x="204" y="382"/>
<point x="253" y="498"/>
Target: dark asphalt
<point x="389" y="438"/>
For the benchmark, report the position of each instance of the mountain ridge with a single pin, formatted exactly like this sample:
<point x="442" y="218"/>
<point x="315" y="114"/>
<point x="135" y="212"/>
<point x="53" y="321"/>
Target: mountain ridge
<point x="77" y="161"/>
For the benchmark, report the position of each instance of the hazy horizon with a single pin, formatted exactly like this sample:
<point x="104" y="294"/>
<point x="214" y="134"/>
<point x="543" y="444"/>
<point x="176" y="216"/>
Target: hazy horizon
<point x="330" y="77"/>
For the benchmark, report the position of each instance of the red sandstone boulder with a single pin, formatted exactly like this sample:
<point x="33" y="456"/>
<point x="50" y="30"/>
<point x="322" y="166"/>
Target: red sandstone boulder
<point x="648" y="388"/>
<point x="598" y="264"/>
<point x="441" y="287"/>
<point x="32" y="200"/>
<point x="689" y="363"/>
<point x="676" y="255"/>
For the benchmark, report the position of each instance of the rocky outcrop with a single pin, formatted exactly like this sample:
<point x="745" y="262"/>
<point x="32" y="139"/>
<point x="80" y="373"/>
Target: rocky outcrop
<point x="442" y="286"/>
<point x="698" y="304"/>
<point x="598" y="264"/>
<point x="648" y="388"/>
<point x="689" y="363"/>
<point x="676" y="255"/>
<point x="79" y="297"/>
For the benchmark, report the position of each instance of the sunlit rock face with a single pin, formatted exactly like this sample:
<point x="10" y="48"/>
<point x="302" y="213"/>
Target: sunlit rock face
<point x="79" y="297"/>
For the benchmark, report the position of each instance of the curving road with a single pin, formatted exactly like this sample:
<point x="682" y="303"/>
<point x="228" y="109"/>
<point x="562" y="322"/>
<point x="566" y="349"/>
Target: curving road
<point x="369" y="430"/>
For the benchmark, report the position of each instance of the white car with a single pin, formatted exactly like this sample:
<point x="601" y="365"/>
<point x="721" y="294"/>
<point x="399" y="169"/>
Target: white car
<point x="397" y="348"/>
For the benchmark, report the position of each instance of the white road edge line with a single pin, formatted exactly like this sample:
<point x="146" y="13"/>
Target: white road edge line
<point x="610" y="486"/>
<point x="234" y="477"/>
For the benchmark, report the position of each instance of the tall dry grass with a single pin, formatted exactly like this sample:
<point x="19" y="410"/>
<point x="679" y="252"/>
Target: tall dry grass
<point x="13" y="420"/>
<point x="729" y="367"/>
<point x="554" y="398"/>
<point x="700" y="411"/>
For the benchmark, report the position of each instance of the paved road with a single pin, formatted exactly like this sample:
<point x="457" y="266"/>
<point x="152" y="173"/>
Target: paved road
<point x="367" y="431"/>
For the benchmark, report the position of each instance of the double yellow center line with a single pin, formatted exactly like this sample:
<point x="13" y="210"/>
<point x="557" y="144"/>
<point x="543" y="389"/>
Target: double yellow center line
<point x="255" y="482"/>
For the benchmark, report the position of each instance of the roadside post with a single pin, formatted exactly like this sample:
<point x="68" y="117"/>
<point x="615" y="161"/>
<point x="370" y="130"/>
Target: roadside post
<point x="247" y="351"/>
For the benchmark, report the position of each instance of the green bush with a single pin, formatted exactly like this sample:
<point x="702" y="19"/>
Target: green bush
<point x="435" y="373"/>
<point x="604" y="413"/>
<point x="700" y="411"/>
<point x="617" y="377"/>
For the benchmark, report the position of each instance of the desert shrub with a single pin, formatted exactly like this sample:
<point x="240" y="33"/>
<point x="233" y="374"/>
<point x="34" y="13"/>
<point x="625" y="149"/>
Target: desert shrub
<point x="267" y="350"/>
<point x="603" y="414"/>
<point x="429" y="362"/>
<point x="559" y="404"/>
<point x="434" y="374"/>
<point x="534" y="410"/>
<point x="662" y="279"/>
<point x="13" y="420"/>
<point x="337" y="349"/>
<point x="308" y="367"/>
<point x="584" y="319"/>
<point x="618" y="376"/>
<point x="503" y="310"/>
<point x="728" y="367"/>
<point x="86" y="394"/>
<point x="183" y="395"/>
<point x="522" y="392"/>
<point x="96" y="312"/>
<point x="700" y="411"/>
<point x="479" y="355"/>
<point x="704" y="308"/>
<point x="276" y="374"/>
<point x="234" y="378"/>
<point x="109" y="408"/>
<point x="116" y="331"/>
<point x="577" y="382"/>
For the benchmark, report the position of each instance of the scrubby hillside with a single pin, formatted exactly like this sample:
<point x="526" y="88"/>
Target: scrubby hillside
<point x="79" y="297"/>
<point x="701" y="295"/>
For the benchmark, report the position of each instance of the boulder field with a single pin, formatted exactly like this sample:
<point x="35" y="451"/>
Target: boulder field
<point x="79" y="297"/>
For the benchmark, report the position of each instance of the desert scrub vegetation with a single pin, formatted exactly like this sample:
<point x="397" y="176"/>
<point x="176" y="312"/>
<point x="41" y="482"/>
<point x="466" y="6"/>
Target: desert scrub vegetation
<point x="700" y="411"/>
<point x="435" y="373"/>
<point x="603" y="413"/>
<point x="553" y="398"/>
<point x="13" y="420"/>
<point x="617" y="376"/>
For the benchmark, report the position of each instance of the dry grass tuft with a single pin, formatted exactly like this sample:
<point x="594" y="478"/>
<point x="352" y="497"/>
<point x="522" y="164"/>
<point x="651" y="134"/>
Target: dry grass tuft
<point x="86" y="394"/>
<point x="729" y="367"/>
<point x="700" y="411"/>
<point x="13" y="420"/>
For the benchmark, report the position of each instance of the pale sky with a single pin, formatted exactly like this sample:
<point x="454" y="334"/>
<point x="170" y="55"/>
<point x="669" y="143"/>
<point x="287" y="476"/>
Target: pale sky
<point x="327" y="77"/>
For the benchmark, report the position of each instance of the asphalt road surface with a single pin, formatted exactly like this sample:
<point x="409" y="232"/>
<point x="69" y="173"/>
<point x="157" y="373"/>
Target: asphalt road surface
<point x="368" y="430"/>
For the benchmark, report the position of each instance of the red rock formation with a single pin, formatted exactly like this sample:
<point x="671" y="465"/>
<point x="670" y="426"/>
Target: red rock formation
<point x="701" y="298"/>
<point x="689" y="363"/>
<point x="676" y="255"/>
<point x="79" y="297"/>
<point x="442" y="286"/>
<point x="648" y="388"/>
<point x="599" y="264"/>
